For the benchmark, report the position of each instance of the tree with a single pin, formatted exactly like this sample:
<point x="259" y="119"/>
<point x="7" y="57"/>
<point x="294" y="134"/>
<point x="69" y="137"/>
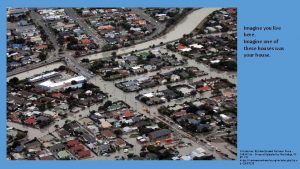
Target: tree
<point x="42" y="56"/>
<point x="85" y="60"/>
<point x="62" y="68"/>
<point x="162" y="125"/>
<point x="14" y="81"/>
<point x="42" y="107"/>
<point x="73" y="82"/>
<point x="118" y="132"/>
<point x="192" y="109"/>
<point x="107" y="104"/>
<point x="193" y="93"/>
<point x="114" y="54"/>
<point x="21" y="135"/>
<point x="145" y="99"/>
<point x="60" y="40"/>
<point x="77" y="54"/>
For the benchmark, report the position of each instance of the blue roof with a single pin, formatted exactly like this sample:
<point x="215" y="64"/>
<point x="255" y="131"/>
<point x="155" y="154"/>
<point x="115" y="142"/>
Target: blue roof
<point x="19" y="149"/>
<point x="16" y="45"/>
<point x="14" y="63"/>
<point x="22" y="23"/>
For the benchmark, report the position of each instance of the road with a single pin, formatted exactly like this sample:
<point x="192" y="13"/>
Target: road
<point x="73" y="64"/>
<point x="129" y="98"/>
<point x="32" y="67"/>
<point x="185" y="26"/>
<point x="159" y="26"/>
<point x="91" y="32"/>
<point x="38" y="20"/>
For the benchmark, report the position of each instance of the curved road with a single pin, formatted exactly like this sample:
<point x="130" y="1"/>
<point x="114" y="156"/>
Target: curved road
<point x="186" y="26"/>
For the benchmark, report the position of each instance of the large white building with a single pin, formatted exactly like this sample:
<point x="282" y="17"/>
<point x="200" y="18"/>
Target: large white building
<point x="62" y="85"/>
<point x="44" y="77"/>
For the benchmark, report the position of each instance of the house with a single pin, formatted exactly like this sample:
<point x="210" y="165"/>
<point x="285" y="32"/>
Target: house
<point x="203" y="127"/>
<point x="105" y="124"/>
<point x="150" y="68"/>
<point x="104" y="148"/>
<point x="19" y="149"/>
<point x="64" y="155"/>
<point x="137" y="69"/>
<point x="72" y="143"/>
<point x="86" y="121"/>
<point x="57" y="95"/>
<point x="50" y="114"/>
<point x="43" y="46"/>
<point x="161" y="16"/>
<point x="14" y="64"/>
<point x="44" y="76"/>
<point x="45" y="155"/>
<point x="84" y="154"/>
<point x="26" y="60"/>
<point x="105" y="27"/>
<point x="179" y="114"/>
<point x="31" y="120"/>
<point x="197" y="46"/>
<point x="159" y="134"/>
<point x="88" y="138"/>
<point x="77" y="148"/>
<point x="111" y="41"/>
<point x="85" y="12"/>
<point x="170" y="94"/>
<point x="120" y="143"/>
<point x="174" y="78"/>
<point x="185" y="90"/>
<point x="94" y="129"/>
<point x="182" y="47"/>
<point x="43" y="120"/>
<point x="52" y="86"/>
<point x="204" y="88"/>
<point x="57" y="148"/>
<point x="128" y="114"/>
<point x="85" y="41"/>
<point x="108" y="134"/>
<point x="63" y="133"/>
<point x="229" y="93"/>
<point x="210" y="29"/>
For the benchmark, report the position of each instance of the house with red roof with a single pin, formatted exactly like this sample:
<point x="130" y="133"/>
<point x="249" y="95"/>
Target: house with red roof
<point x="128" y="114"/>
<point x="85" y="41"/>
<point x="105" y="27"/>
<point x="181" y="46"/>
<point x="30" y="121"/>
<point x="204" y="88"/>
<point x="108" y="134"/>
<point x="77" y="148"/>
<point x="72" y="143"/>
<point x="57" y="95"/>
<point x="43" y="46"/>
<point x="180" y="113"/>
<point x="120" y="142"/>
<point x="140" y="22"/>
<point x="231" y="10"/>
<point x="84" y="154"/>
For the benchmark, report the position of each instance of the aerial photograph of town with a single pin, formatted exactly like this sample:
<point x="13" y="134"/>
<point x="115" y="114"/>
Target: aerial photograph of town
<point x="121" y="83"/>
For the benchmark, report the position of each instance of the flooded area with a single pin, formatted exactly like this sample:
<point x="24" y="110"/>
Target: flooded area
<point x="33" y="72"/>
<point x="186" y="26"/>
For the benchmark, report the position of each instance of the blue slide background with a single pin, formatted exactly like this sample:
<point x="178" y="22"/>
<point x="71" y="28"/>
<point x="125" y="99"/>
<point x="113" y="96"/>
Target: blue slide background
<point x="268" y="88"/>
